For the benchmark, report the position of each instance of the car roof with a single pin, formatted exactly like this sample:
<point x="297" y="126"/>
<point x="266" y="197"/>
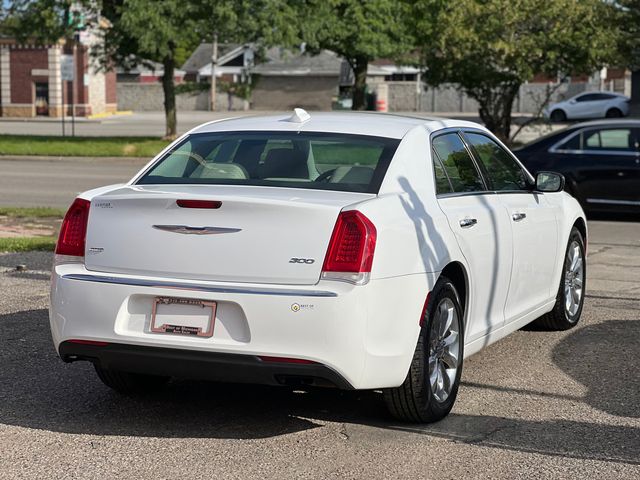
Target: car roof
<point x="626" y="122"/>
<point x="615" y="94"/>
<point x="355" y="123"/>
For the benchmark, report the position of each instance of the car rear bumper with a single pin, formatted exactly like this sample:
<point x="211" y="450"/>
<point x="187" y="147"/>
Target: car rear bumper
<point x="364" y="336"/>
<point x="223" y="367"/>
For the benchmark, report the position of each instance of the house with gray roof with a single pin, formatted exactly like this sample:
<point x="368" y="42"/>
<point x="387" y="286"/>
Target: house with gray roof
<point x="296" y="79"/>
<point x="233" y="63"/>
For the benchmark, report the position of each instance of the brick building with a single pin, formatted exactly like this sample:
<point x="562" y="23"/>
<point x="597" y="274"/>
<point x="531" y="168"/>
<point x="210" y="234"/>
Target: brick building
<point x="31" y="81"/>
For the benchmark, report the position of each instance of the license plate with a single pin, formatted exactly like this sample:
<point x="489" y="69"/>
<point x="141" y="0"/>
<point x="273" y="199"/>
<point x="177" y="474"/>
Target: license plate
<point x="183" y="316"/>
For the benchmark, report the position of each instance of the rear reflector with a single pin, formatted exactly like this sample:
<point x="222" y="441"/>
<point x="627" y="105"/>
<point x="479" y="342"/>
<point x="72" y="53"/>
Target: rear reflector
<point x="199" y="204"/>
<point x="89" y="342"/>
<point x="285" y="360"/>
<point x="350" y="253"/>
<point x="424" y="310"/>
<point x="74" y="229"/>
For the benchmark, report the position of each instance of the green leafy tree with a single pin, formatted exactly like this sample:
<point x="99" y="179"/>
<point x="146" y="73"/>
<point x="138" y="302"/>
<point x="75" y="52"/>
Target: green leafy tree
<point x="358" y="30"/>
<point x="42" y="21"/>
<point x="491" y="47"/>
<point x="139" y="31"/>
<point x="162" y="30"/>
<point x="628" y="21"/>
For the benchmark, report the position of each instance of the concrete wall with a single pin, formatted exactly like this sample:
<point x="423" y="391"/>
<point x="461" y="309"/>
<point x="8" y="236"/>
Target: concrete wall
<point x="144" y="97"/>
<point x="404" y="96"/>
<point x="287" y="92"/>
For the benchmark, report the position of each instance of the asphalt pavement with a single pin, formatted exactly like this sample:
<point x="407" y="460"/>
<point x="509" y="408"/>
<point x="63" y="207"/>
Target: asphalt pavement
<point x="533" y="405"/>
<point x="55" y="182"/>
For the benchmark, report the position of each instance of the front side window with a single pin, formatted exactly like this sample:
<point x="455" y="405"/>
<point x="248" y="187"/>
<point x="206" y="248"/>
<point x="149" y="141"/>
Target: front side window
<point x="609" y="139"/>
<point x="589" y="97"/>
<point x="458" y="164"/>
<point x="313" y="160"/>
<point x="571" y="143"/>
<point x="502" y="170"/>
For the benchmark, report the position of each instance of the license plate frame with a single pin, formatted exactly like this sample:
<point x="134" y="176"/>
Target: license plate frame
<point x="179" y="329"/>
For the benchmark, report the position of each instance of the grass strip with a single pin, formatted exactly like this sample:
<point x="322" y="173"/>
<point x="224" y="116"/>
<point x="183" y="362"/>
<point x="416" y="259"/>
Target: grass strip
<point x="27" y="244"/>
<point x="81" y="146"/>
<point x="31" y="212"/>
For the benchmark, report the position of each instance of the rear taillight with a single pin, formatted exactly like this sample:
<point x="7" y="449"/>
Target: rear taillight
<point x="74" y="229"/>
<point x="350" y="253"/>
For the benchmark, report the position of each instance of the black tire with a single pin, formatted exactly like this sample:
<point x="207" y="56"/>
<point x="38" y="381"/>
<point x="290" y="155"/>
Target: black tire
<point x="559" y="318"/>
<point x="414" y="401"/>
<point x="558" y="116"/>
<point x="614" y="113"/>
<point x="130" y="383"/>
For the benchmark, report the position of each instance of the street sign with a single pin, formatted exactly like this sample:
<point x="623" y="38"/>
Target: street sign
<point x="66" y="67"/>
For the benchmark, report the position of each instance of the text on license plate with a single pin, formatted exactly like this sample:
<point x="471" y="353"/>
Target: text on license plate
<point x="183" y="316"/>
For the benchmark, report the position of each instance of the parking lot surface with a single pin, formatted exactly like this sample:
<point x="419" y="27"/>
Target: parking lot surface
<point x="534" y="405"/>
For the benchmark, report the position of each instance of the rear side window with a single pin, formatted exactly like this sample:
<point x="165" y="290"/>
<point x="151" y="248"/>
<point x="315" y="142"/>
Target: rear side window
<point x="610" y="139"/>
<point x="313" y="160"/>
<point x="458" y="164"/>
<point x="442" y="181"/>
<point x="503" y="171"/>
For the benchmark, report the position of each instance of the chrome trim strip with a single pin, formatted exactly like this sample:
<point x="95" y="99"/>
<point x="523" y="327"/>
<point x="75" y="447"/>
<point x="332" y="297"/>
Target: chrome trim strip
<point x="621" y="153"/>
<point x="139" y="282"/>
<point x="613" y="202"/>
<point x="187" y="230"/>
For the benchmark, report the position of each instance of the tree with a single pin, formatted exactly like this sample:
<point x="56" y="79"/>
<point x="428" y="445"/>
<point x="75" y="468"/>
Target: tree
<point x="138" y="31"/>
<point x="358" y="30"/>
<point x="41" y="21"/>
<point x="491" y="47"/>
<point x="158" y="30"/>
<point x="628" y="20"/>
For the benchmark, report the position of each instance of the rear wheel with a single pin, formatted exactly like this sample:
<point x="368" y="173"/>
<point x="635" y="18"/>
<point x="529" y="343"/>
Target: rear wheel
<point x="614" y="113"/>
<point x="558" y="116"/>
<point x="570" y="298"/>
<point x="130" y="383"/>
<point x="430" y="389"/>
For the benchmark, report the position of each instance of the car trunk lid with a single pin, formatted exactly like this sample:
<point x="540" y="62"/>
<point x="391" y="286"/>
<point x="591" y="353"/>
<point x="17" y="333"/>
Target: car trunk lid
<point x="247" y="234"/>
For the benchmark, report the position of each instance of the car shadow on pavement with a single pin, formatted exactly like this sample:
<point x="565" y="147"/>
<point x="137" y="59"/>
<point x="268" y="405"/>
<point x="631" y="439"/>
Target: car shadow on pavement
<point x="604" y="357"/>
<point x="38" y="391"/>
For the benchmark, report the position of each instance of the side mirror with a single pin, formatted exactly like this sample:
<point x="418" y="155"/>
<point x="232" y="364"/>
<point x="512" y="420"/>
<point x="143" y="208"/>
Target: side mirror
<point x="549" y="182"/>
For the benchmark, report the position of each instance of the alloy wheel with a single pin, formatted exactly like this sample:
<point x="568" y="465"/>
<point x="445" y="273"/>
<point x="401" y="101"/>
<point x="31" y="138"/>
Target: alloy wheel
<point x="444" y="349"/>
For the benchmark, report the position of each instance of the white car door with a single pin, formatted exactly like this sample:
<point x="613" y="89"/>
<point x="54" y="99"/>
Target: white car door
<point x="532" y="222"/>
<point x="585" y="106"/>
<point x="481" y="227"/>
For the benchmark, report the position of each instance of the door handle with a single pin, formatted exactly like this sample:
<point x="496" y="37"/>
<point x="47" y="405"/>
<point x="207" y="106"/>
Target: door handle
<point x="518" y="216"/>
<point x="468" y="222"/>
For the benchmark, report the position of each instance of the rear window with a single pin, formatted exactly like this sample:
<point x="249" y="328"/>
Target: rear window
<point x="322" y="161"/>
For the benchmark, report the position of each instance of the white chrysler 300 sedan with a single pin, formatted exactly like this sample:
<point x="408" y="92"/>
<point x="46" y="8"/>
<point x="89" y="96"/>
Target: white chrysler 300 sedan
<point x="362" y="251"/>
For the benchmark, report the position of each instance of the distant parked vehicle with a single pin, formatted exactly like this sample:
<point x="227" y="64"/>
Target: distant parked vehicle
<point x="600" y="161"/>
<point x="589" y="105"/>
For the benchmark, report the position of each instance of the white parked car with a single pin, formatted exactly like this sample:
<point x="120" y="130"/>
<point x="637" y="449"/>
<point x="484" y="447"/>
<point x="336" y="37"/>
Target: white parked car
<point x="589" y="105"/>
<point x="362" y="251"/>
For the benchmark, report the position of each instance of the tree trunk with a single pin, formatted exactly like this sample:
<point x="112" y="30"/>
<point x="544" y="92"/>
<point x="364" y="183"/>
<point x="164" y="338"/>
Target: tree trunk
<point x="359" y="66"/>
<point x="169" y="90"/>
<point x="495" y="109"/>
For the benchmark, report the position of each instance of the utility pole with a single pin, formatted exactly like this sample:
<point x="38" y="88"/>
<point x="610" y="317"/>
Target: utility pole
<point x="214" y="62"/>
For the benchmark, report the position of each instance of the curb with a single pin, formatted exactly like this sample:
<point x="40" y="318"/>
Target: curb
<point x="109" y="114"/>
